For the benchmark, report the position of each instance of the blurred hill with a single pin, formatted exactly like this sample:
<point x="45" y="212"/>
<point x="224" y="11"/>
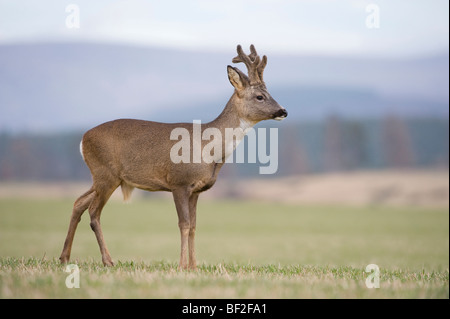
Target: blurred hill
<point x="73" y="86"/>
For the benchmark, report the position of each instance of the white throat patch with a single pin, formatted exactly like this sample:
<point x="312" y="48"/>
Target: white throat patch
<point x="245" y="125"/>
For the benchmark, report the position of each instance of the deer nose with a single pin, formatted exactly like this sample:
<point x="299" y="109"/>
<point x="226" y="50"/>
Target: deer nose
<point x="281" y="114"/>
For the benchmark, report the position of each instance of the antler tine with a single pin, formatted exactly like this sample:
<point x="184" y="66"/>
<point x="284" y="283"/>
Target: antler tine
<point x="261" y="67"/>
<point x="253" y="63"/>
<point x="253" y="55"/>
<point x="241" y="57"/>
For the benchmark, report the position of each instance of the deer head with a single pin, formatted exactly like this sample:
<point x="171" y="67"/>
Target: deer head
<point x="253" y="101"/>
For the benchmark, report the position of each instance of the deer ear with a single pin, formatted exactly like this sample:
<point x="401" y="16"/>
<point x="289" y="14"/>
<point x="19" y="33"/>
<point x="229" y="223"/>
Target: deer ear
<point x="237" y="79"/>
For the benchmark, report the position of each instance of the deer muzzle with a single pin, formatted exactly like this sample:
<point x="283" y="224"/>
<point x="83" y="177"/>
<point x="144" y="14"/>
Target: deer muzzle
<point x="280" y="115"/>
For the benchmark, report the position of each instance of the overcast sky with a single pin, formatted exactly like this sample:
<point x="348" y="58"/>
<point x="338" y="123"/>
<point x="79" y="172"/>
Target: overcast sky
<point x="327" y="27"/>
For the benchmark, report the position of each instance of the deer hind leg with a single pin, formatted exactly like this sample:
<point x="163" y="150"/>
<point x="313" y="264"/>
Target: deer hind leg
<point x="102" y="194"/>
<point x="80" y="205"/>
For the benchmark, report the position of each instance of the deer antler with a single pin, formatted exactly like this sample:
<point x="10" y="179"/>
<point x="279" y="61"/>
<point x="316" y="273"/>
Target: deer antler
<point x="254" y="64"/>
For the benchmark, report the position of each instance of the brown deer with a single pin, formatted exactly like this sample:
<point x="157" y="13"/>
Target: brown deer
<point x="136" y="153"/>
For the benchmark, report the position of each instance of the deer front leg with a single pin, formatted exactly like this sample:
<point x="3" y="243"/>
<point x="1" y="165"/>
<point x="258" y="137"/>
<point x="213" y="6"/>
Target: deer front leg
<point x="193" y="220"/>
<point x="181" y="198"/>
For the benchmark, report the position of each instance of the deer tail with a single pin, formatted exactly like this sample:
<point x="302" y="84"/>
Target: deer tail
<point x="127" y="189"/>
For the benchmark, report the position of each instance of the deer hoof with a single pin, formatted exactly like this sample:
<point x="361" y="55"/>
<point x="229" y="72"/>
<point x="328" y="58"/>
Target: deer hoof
<point x="108" y="263"/>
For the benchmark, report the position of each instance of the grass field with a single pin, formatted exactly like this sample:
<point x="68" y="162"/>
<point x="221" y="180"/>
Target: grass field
<point x="244" y="250"/>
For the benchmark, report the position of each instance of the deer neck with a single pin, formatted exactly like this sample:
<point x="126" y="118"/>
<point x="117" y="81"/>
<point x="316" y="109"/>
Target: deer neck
<point x="232" y="125"/>
<point x="231" y="118"/>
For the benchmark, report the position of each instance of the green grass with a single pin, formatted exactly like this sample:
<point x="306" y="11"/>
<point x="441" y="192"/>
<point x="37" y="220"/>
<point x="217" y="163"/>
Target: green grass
<point x="244" y="250"/>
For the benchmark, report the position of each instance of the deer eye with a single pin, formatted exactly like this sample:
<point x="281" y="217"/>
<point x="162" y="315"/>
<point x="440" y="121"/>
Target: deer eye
<point x="260" y="97"/>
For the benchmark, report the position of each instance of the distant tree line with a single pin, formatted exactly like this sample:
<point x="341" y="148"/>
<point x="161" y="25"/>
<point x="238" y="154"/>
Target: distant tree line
<point x="27" y="157"/>
<point x="335" y="144"/>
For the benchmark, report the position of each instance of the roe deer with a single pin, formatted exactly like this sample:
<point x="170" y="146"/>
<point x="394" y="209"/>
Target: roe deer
<point x="136" y="153"/>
